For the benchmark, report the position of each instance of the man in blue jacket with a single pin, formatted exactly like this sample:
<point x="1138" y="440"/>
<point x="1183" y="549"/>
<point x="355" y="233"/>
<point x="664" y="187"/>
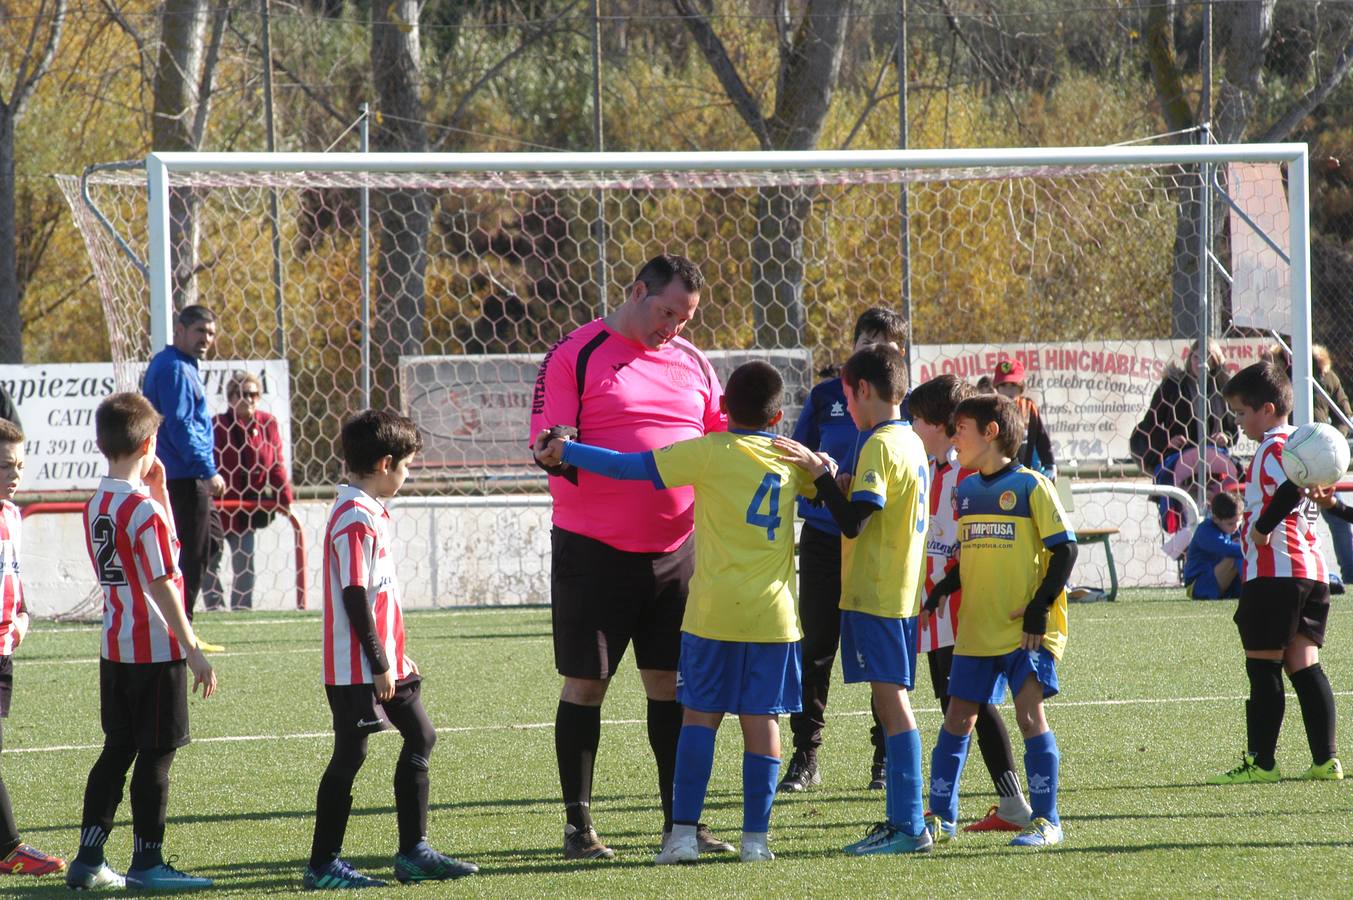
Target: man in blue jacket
<point x="173" y="384"/>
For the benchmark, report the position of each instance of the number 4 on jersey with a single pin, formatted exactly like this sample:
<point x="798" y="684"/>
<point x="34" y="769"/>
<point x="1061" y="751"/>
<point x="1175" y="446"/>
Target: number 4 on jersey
<point x="768" y="493"/>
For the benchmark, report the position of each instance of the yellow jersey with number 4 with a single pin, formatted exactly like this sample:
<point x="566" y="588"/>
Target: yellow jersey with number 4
<point x="882" y="569"/>
<point x="744" y="587"/>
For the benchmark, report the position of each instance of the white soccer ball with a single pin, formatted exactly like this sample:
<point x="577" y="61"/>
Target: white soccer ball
<point x="1315" y="454"/>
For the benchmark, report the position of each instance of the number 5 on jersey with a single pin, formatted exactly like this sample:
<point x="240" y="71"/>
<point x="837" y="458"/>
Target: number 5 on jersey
<point x="767" y="493"/>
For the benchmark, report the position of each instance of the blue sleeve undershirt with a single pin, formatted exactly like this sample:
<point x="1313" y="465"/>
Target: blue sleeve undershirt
<point x="621" y="466"/>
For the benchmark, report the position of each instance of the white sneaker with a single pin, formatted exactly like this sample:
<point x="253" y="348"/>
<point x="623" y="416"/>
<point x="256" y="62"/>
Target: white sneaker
<point x="754" y="847"/>
<point x="680" y="847"/>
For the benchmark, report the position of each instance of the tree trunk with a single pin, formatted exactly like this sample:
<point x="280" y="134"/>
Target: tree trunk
<point x="810" y="63"/>
<point x="403" y="216"/>
<point x="182" y="33"/>
<point x="11" y="336"/>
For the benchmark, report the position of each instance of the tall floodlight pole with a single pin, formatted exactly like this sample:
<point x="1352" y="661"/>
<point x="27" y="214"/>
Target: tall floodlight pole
<point x="598" y="144"/>
<point x="902" y="143"/>
<point x="1203" y="402"/>
<point x="365" y="263"/>
<point x="274" y="219"/>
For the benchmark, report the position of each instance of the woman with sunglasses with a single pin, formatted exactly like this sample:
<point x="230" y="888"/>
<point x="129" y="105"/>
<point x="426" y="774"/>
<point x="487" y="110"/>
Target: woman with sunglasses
<point x="249" y="456"/>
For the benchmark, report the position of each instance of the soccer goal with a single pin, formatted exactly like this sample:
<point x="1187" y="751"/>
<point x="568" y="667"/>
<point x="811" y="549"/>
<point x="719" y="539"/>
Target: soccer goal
<point x="435" y="283"/>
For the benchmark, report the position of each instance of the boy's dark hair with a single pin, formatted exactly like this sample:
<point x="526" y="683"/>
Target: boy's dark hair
<point x="984" y="385"/>
<point x="659" y="271"/>
<point x="191" y="315"/>
<point x="1260" y="383"/>
<point x="754" y="393"/>
<point x="935" y="400"/>
<point x="880" y="365"/>
<point x="10" y="433"/>
<point x="984" y="409"/>
<point x="885" y="322"/>
<point x="122" y="423"/>
<point x="375" y="433"/>
<point x="1225" y="505"/>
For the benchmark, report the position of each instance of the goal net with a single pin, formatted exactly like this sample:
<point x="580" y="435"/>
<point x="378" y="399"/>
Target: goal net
<point x="435" y="284"/>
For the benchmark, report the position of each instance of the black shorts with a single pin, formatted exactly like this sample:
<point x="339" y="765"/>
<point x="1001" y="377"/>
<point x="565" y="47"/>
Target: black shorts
<point x="6" y="683"/>
<point x="144" y="705"/>
<point x="357" y="711"/>
<point x="1273" y="611"/>
<point x="602" y="598"/>
<point x="940" y="662"/>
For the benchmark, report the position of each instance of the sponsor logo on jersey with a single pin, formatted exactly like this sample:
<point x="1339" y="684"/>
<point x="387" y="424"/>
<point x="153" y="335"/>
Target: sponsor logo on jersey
<point x="1007" y="500"/>
<point x="680" y="374"/>
<point x="976" y="531"/>
<point x="871" y="477"/>
<point x="934" y="547"/>
<point x="838" y="408"/>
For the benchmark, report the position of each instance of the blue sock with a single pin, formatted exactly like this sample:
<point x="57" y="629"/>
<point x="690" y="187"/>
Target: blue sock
<point x="694" y="763"/>
<point x="1042" y="762"/>
<point x="905" y="810"/>
<point x="759" y="775"/>
<point x="946" y="766"/>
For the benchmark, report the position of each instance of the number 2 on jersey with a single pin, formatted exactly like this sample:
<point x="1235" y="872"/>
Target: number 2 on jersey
<point x="105" y="550"/>
<point x="768" y="493"/>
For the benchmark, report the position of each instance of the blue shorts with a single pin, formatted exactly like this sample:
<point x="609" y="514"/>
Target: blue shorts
<point x="1205" y="587"/>
<point x="739" y="677"/>
<point x="983" y="679"/>
<point x="875" y="648"/>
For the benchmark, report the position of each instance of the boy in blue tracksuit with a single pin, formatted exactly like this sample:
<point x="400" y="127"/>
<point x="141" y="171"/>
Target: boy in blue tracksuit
<point x="1212" y="566"/>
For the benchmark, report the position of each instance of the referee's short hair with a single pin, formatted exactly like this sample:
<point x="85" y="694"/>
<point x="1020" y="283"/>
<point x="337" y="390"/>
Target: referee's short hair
<point x="880" y="365"/>
<point x="753" y="394"/>
<point x="659" y="272"/>
<point x="372" y="434"/>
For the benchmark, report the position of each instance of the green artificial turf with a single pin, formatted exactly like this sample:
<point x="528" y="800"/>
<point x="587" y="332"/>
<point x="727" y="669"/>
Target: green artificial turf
<point x="1152" y="704"/>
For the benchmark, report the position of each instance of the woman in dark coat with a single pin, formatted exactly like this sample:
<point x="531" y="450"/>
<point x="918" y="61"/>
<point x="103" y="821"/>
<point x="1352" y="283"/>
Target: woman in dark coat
<point x="1170" y="423"/>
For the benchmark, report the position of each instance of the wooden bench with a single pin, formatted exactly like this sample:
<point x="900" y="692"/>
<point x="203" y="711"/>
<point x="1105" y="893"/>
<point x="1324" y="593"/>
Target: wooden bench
<point x="1102" y="536"/>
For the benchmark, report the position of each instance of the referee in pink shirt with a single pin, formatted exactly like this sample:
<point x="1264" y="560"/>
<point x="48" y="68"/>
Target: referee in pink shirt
<point x="622" y="552"/>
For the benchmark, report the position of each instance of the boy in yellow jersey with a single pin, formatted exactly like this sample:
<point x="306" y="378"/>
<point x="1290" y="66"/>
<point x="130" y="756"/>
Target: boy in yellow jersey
<point x="882" y="566"/>
<point x="1016" y="550"/>
<point x="740" y="631"/>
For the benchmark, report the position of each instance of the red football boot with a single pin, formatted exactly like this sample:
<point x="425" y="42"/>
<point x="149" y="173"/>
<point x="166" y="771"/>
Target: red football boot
<point x="26" y="860"/>
<point x="993" y="822"/>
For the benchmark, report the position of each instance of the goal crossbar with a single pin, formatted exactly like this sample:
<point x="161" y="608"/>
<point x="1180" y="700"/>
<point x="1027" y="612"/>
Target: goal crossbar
<point x="160" y="167"/>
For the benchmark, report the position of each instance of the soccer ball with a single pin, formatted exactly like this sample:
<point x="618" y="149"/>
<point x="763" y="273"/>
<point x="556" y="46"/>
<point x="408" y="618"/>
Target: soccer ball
<point x="1315" y="454"/>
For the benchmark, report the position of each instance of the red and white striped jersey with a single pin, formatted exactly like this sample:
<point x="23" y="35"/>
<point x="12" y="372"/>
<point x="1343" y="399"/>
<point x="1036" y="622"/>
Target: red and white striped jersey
<point x="131" y="544"/>
<point x="357" y="553"/>
<point x="11" y="588"/>
<point x="1293" y="550"/>
<point x="941" y="551"/>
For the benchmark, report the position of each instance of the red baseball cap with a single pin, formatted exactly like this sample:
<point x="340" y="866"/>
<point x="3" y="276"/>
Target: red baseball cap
<point x="1008" y="371"/>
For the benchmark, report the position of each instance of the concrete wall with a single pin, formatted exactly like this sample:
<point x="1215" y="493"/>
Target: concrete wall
<point x="495" y="551"/>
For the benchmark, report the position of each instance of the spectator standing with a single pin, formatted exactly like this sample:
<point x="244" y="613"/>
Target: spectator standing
<point x="249" y="456"/>
<point x="173" y="384"/>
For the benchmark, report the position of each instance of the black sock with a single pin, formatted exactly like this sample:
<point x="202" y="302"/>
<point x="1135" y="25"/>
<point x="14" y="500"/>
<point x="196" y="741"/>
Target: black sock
<point x="877" y="737"/>
<point x="577" y="734"/>
<point x="150" y="800"/>
<point x="664" y="730"/>
<point x="333" y="803"/>
<point x="1317" y="711"/>
<point x="994" y="741"/>
<point x="103" y="793"/>
<point x="1264" y="710"/>
<point x="411" y="773"/>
